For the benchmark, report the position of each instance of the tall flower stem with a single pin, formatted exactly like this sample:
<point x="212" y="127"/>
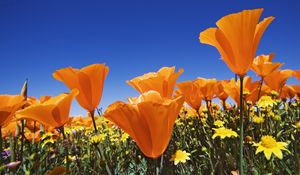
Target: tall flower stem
<point x="209" y="144"/>
<point x="12" y="148"/>
<point x="159" y="165"/>
<point x="260" y="86"/>
<point x="92" y="113"/>
<point x="66" y="149"/>
<point x="241" y="126"/>
<point x="102" y="156"/>
<point x="1" y="148"/>
<point x="22" y="138"/>
<point x="24" y="93"/>
<point x="156" y="166"/>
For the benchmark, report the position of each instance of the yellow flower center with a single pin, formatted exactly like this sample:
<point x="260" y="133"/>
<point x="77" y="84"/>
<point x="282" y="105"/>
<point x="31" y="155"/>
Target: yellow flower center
<point x="268" y="142"/>
<point x="265" y="101"/>
<point x="298" y="125"/>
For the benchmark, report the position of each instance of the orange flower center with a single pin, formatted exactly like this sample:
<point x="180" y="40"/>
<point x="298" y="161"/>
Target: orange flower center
<point x="268" y="142"/>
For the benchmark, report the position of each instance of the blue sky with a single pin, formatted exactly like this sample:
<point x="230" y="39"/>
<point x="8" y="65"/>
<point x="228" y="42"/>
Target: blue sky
<point x="131" y="37"/>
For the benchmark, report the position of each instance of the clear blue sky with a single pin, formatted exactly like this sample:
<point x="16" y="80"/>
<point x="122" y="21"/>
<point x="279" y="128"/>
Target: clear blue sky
<point x="131" y="37"/>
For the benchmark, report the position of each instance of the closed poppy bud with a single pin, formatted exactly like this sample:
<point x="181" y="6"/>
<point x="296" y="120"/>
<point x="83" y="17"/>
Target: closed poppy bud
<point x="162" y="81"/>
<point x="249" y="139"/>
<point x="88" y="80"/>
<point x="148" y="119"/>
<point x="24" y="90"/>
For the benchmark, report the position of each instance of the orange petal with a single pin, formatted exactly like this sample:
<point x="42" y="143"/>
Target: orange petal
<point x="239" y="28"/>
<point x="259" y="31"/>
<point x="127" y="117"/>
<point x="53" y="112"/>
<point x="160" y="119"/>
<point x="9" y="105"/>
<point x="97" y="74"/>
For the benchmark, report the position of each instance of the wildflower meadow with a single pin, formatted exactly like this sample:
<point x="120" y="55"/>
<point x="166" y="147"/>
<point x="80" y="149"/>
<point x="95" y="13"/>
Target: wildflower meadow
<point x="203" y="126"/>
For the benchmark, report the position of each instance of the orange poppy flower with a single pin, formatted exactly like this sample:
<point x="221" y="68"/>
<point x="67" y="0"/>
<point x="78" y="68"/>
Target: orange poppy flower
<point x="263" y="66"/>
<point x="162" y="81"/>
<point x="265" y="90"/>
<point x="9" y="104"/>
<point x="30" y="135"/>
<point x="44" y="98"/>
<point x="297" y="74"/>
<point x="237" y="38"/>
<point x="287" y="92"/>
<point x="88" y="80"/>
<point x="54" y="112"/>
<point x="75" y="121"/>
<point x="296" y="89"/>
<point x="10" y="128"/>
<point x="80" y="121"/>
<point x="277" y="79"/>
<point x="207" y="88"/>
<point x="32" y="125"/>
<point x="250" y="90"/>
<point x="220" y="92"/>
<point x="191" y="93"/>
<point x="148" y="119"/>
<point x="195" y="91"/>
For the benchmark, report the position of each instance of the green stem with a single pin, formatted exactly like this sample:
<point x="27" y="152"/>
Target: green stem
<point x="296" y="156"/>
<point x="208" y="108"/>
<point x="22" y="139"/>
<point x="210" y="154"/>
<point x="159" y="165"/>
<point x="260" y="86"/>
<point x="1" y="147"/>
<point x="12" y="148"/>
<point x="224" y="105"/>
<point x="101" y="153"/>
<point x="67" y="151"/>
<point x="34" y="130"/>
<point x="156" y="166"/>
<point x="241" y="126"/>
<point x="92" y="113"/>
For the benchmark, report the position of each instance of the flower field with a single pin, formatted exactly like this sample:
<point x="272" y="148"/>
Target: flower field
<point x="201" y="126"/>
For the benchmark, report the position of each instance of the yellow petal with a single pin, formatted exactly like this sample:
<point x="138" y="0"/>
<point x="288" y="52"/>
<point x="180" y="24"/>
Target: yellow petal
<point x="277" y="153"/>
<point x="268" y="153"/>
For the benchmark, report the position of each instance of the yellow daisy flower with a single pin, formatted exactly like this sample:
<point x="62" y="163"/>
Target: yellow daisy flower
<point x="48" y="141"/>
<point x="219" y="123"/>
<point x="71" y="158"/>
<point x="124" y="137"/>
<point x="47" y="135"/>
<point x="265" y="101"/>
<point x="258" y="119"/>
<point x="224" y="132"/>
<point x="180" y="156"/>
<point x="274" y="93"/>
<point x="269" y="145"/>
<point x="98" y="138"/>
